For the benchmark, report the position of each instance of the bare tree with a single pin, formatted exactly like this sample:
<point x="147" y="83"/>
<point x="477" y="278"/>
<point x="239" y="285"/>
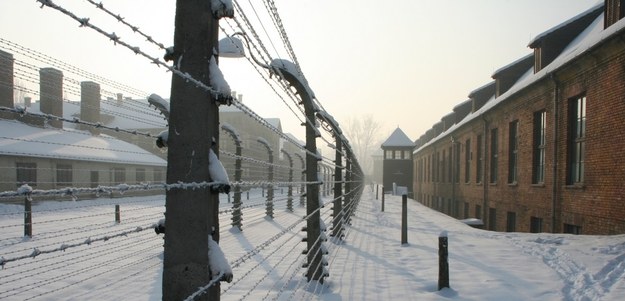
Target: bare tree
<point x="364" y="136"/>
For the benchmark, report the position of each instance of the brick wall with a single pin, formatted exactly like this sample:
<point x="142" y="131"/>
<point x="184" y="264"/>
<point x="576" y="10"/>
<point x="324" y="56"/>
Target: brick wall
<point x="596" y="206"/>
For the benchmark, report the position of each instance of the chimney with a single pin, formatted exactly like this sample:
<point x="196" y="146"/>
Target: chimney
<point x="614" y="11"/>
<point x="51" y="93"/>
<point x="6" y="83"/>
<point x="120" y="98"/>
<point x="90" y="105"/>
<point x="27" y="101"/>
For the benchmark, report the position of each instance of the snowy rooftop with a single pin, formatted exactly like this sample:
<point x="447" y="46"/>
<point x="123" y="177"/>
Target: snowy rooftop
<point x="586" y="40"/>
<point x="130" y="114"/>
<point x="398" y="138"/>
<point x="19" y="139"/>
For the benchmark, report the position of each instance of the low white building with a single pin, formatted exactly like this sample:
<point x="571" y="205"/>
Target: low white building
<point x="48" y="158"/>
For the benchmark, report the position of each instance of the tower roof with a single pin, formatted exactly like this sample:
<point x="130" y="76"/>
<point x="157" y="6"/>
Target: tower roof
<point x="398" y="138"/>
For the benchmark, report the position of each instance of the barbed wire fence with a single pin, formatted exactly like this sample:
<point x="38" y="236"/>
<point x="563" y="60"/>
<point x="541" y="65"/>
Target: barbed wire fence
<point x="93" y="239"/>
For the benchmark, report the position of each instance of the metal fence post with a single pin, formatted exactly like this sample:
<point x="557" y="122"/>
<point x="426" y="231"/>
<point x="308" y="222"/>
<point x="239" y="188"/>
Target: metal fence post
<point x="237" y="213"/>
<point x="289" y="200"/>
<point x="443" y="263"/>
<point x="302" y="199"/>
<point x="28" y="217"/>
<point x="404" y="219"/>
<point x="269" y="203"/>
<point x="313" y="223"/>
<point x="117" y="214"/>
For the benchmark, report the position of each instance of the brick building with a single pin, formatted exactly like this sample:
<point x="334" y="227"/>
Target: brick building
<point x="539" y="148"/>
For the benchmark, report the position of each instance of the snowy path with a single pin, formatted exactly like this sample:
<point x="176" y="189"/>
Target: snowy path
<point x="484" y="265"/>
<point x="369" y="264"/>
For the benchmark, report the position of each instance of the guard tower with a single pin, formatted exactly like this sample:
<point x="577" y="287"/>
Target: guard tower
<point x="397" y="163"/>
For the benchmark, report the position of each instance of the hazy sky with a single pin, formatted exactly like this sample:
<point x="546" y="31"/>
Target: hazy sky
<point x="406" y="62"/>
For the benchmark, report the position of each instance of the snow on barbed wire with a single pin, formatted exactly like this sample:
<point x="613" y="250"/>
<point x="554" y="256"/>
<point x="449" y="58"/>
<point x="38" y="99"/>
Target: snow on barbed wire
<point x="162" y="139"/>
<point x="25" y="189"/>
<point x="287" y="66"/>
<point x="217" y="80"/>
<point x="218" y="173"/>
<point x="218" y="263"/>
<point x="222" y="8"/>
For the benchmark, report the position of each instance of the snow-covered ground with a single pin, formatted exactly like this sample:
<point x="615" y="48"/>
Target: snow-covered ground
<point x="85" y="255"/>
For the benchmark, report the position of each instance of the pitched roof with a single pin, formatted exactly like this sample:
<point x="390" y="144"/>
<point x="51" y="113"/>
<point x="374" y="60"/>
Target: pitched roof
<point x="19" y="139"/>
<point x="587" y="38"/>
<point x="398" y="138"/>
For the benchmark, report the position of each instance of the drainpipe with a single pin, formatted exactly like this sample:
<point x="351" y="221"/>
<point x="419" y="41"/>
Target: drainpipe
<point x="453" y="210"/>
<point x="484" y="184"/>
<point x="554" y="196"/>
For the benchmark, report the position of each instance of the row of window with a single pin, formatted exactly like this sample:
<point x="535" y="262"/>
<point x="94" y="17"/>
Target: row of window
<point x="26" y="173"/>
<point x="397" y="155"/>
<point x="536" y="223"/>
<point x="444" y="165"/>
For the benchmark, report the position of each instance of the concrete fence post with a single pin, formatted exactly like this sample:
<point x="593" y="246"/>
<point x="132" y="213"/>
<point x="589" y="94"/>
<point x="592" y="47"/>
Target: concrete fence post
<point x="404" y="219"/>
<point x="28" y="217"/>
<point x="117" y="214"/>
<point x="443" y="263"/>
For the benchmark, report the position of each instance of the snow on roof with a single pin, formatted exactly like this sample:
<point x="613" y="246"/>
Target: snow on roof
<point x="589" y="38"/>
<point x="275" y="122"/>
<point x="566" y="23"/>
<point x="398" y="138"/>
<point x="19" y="139"/>
<point x="130" y="114"/>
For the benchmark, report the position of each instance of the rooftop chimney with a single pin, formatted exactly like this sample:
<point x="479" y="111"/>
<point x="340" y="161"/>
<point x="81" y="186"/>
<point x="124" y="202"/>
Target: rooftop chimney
<point x="51" y="93"/>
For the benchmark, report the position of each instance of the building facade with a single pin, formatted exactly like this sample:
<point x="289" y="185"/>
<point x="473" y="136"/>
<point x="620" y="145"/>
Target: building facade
<point x="538" y="148"/>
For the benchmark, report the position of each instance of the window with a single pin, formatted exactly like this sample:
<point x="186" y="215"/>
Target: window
<point x="449" y="166"/>
<point x="572" y="229"/>
<point x="397" y="155"/>
<point x="478" y="211"/>
<point x="480" y="160"/>
<point x="513" y="152"/>
<point x="466" y="209"/>
<point x="158" y="175"/>
<point x="140" y="176"/>
<point x="492" y="219"/>
<point x="538" y="148"/>
<point x="406" y="155"/>
<point x="493" y="155"/>
<point x="95" y="178"/>
<point x="467" y="161"/>
<point x="456" y="163"/>
<point x="388" y="154"/>
<point x="577" y="139"/>
<point x="443" y="166"/>
<point x="118" y="175"/>
<point x="511" y="222"/>
<point x="26" y="173"/>
<point x="536" y="224"/>
<point x="64" y="175"/>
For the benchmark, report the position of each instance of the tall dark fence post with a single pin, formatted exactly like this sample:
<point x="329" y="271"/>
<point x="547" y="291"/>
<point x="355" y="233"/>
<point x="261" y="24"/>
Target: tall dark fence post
<point x="382" y="203"/>
<point x="382" y="198"/>
<point x="377" y="188"/>
<point x="117" y="215"/>
<point x="404" y="219"/>
<point x="289" y="197"/>
<point x="269" y="205"/>
<point x="302" y="198"/>
<point x="443" y="264"/>
<point x="237" y="213"/>
<point x="28" y="217"/>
